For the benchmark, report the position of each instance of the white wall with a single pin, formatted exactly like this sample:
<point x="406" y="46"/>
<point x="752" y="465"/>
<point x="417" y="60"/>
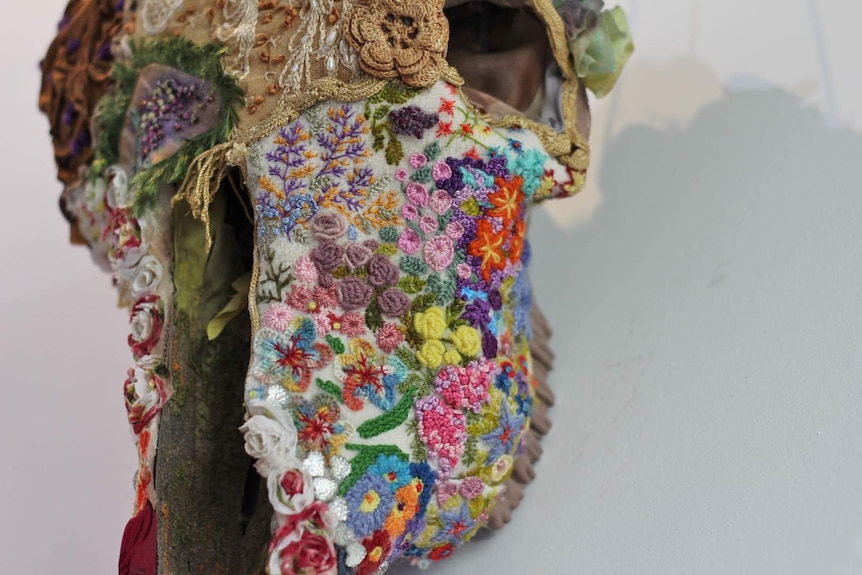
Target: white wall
<point x="705" y="291"/>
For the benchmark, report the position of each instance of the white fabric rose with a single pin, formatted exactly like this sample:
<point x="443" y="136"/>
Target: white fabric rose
<point x="142" y="321"/>
<point x="270" y="437"/>
<point x="148" y="277"/>
<point x="117" y="192"/>
<point x="290" y="489"/>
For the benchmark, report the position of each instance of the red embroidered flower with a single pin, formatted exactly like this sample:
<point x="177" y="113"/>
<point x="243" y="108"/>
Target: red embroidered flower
<point x="444" y="129"/>
<point x="377" y="549"/>
<point x="507" y="200"/>
<point x="443" y="552"/>
<point x="488" y="245"/>
<point x="446" y="107"/>
<point x="466" y="129"/>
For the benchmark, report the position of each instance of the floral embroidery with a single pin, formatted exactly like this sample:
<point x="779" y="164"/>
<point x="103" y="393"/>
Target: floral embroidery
<point x="410" y="315"/>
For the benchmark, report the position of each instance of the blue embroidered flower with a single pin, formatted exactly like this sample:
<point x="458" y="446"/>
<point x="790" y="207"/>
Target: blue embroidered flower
<point x="502" y="439"/>
<point x="530" y="165"/>
<point x="427" y="477"/>
<point x="455" y="526"/>
<point x="393" y="469"/>
<point x="370" y="500"/>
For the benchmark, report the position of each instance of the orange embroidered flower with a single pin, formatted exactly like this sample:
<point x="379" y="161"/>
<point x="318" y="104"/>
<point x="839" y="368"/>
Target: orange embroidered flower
<point x="516" y="244"/>
<point x="507" y="199"/>
<point x="396" y="39"/>
<point x="488" y="245"/>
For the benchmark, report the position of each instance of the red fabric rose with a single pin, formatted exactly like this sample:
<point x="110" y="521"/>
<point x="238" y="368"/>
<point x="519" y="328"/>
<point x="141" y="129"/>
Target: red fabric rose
<point x="377" y="549"/>
<point x="146" y="324"/>
<point x="311" y="554"/>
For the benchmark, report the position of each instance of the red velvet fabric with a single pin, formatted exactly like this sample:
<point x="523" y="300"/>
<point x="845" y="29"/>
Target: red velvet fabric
<point x="138" y="551"/>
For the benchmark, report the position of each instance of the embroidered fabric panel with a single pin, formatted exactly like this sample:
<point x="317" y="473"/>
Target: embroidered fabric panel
<point x="389" y="385"/>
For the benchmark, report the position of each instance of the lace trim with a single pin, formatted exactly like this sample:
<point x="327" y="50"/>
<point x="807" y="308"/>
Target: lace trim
<point x="238" y="32"/>
<point x="155" y="14"/>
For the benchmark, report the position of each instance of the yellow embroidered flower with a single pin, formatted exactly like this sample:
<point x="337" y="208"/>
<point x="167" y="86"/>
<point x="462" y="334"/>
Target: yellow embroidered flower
<point x="399" y="39"/>
<point x="452" y="357"/>
<point x="466" y="339"/>
<point x="430" y="324"/>
<point x="431" y="353"/>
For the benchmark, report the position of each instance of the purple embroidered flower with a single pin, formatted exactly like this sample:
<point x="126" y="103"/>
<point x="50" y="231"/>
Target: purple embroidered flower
<point x="381" y="272"/>
<point x="489" y="344"/>
<point x="356" y="256"/>
<point x="476" y="313"/>
<point x="412" y="121"/>
<point x="327" y="256"/>
<point x="370" y="500"/>
<point x="393" y="302"/>
<point x="328" y="226"/>
<point x="495" y="299"/>
<point x="503" y="438"/>
<point x="354" y="294"/>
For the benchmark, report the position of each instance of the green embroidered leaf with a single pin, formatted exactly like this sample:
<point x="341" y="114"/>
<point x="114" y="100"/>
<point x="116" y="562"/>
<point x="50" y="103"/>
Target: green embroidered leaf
<point x="330" y="388"/>
<point x="408" y="358"/>
<point x="413" y="266"/>
<point x="389" y="234"/>
<point x="336" y="344"/>
<point x="394" y="94"/>
<point x="373" y="317"/>
<point x="411" y="284"/>
<point x="394" y="151"/>
<point x="379" y="140"/>
<point x="432" y="151"/>
<point x="470" y="451"/>
<point x="456" y="308"/>
<point x="381" y="112"/>
<point x="422" y="175"/>
<point x="387" y="249"/>
<point x="389" y="420"/>
<point x="433" y="283"/>
<point x="416" y="445"/>
<point x="446" y="292"/>
<point x="423" y="302"/>
<point x="366" y="457"/>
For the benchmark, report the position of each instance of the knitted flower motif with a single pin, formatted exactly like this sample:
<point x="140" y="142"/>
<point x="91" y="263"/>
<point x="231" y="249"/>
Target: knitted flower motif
<point x="402" y="40"/>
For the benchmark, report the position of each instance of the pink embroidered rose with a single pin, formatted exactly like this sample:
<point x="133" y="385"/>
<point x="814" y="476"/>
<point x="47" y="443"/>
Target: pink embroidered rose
<point x="328" y="226"/>
<point x="322" y="323"/>
<point x="464" y="271"/>
<point x="409" y="242"/>
<point x="299" y="297"/>
<point x="305" y="270"/>
<point x="417" y="193"/>
<point x="354" y="294"/>
<point x="381" y="272"/>
<point x="409" y="212"/>
<point x="417" y="160"/>
<point x="393" y="302"/>
<point x="389" y="337"/>
<point x="455" y="230"/>
<point x="428" y="224"/>
<point x="401" y="175"/>
<point x="441" y="171"/>
<point x="146" y="325"/>
<point x="440" y="201"/>
<point x="445" y="491"/>
<point x="439" y="252"/>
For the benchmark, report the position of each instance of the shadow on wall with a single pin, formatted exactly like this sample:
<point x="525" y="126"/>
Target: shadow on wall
<point x="730" y="230"/>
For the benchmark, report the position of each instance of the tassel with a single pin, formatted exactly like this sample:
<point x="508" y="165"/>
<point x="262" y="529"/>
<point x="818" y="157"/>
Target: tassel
<point x="204" y="178"/>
